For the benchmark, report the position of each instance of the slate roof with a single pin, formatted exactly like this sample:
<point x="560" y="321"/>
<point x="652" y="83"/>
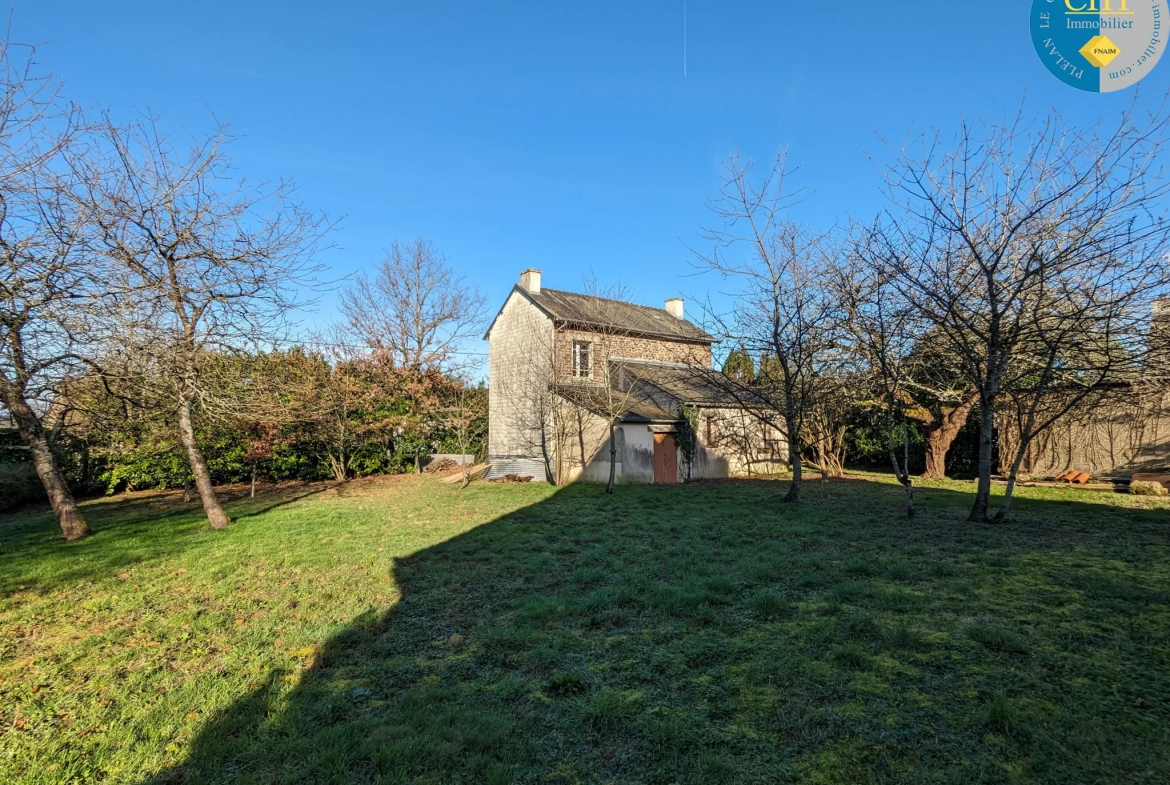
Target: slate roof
<point x="586" y="311"/>
<point x="690" y="385"/>
<point x="635" y="406"/>
<point x="686" y="385"/>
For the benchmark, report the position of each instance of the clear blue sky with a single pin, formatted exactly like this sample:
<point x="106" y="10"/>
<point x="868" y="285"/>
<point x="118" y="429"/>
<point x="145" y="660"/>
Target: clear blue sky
<point x="555" y="135"/>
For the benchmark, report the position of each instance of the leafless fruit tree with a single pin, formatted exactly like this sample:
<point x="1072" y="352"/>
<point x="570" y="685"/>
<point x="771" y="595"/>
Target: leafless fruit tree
<point x="783" y="308"/>
<point x="47" y="281"/>
<point x="204" y="262"/>
<point x="879" y="333"/>
<point x="1034" y="250"/>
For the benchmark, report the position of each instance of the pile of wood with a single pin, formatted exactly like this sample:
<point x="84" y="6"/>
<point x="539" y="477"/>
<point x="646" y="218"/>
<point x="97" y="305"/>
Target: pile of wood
<point x="441" y="466"/>
<point x="512" y="478"/>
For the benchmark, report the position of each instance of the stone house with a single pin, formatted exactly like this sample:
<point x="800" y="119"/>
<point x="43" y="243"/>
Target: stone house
<point x="564" y="366"/>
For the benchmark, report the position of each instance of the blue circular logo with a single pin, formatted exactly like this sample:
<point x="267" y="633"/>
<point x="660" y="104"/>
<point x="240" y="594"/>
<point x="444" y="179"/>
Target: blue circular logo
<point x="1099" y="45"/>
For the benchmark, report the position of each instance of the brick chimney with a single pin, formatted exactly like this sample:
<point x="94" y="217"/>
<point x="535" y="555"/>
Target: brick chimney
<point x="530" y="280"/>
<point x="674" y="307"/>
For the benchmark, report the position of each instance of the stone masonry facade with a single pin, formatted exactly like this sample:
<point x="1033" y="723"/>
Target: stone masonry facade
<point x="605" y="346"/>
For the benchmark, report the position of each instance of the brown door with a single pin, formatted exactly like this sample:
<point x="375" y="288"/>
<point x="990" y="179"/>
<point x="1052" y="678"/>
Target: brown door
<point x="665" y="459"/>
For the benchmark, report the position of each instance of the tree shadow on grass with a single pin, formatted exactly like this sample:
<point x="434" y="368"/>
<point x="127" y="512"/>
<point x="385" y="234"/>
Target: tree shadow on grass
<point x="143" y="526"/>
<point x="710" y="634"/>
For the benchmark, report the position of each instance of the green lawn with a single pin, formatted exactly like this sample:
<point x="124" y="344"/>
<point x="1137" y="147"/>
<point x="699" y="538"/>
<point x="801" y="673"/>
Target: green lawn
<point x="399" y="630"/>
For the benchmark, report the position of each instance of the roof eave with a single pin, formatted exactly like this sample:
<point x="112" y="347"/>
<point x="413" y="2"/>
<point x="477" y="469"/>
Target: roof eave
<point x="636" y="419"/>
<point x="593" y="326"/>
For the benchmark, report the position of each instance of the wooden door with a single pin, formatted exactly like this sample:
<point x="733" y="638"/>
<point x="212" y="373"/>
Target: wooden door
<point x="665" y="459"/>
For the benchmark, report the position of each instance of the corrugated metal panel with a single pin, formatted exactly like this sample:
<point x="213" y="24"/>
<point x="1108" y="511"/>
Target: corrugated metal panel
<point x="502" y="466"/>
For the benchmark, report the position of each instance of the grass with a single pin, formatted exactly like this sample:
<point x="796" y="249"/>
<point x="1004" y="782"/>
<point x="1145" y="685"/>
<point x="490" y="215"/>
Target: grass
<point x="399" y="630"/>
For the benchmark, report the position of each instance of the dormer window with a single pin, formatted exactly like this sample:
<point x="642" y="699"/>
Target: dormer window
<point x="582" y="360"/>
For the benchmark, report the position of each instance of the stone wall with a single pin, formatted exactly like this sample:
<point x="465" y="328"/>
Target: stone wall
<point x="520" y="368"/>
<point x="743" y="443"/>
<point x="1107" y="439"/>
<point x="635" y="454"/>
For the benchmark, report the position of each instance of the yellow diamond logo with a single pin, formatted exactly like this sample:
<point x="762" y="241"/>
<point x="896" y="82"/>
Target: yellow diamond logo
<point x="1100" y="51"/>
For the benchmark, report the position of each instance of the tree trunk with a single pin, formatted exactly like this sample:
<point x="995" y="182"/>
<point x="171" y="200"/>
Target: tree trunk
<point x="215" y="514"/>
<point x="1021" y="450"/>
<point x="986" y="454"/>
<point x="581" y="439"/>
<point x="73" y="525"/>
<point x="794" y="461"/>
<point x="85" y="465"/>
<point x="554" y="469"/>
<point x="941" y="435"/>
<point x="253" y="495"/>
<point x="938" y="442"/>
<point x="612" y="457"/>
<point x="901" y="469"/>
<point x="550" y="476"/>
<point x="339" y="465"/>
<point x="1001" y="514"/>
<point x="1011" y="483"/>
<point x="908" y="484"/>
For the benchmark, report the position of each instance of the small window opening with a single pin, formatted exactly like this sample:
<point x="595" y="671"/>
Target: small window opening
<point x="582" y="360"/>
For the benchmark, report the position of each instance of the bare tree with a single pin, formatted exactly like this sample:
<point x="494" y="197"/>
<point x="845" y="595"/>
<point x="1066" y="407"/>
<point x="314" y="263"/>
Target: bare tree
<point x="465" y="417"/>
<point x="46" y="279"/>
<point x="825" y="422"/>
<point x="204" y="263"/>
<point x="537" y="398"/>
<point x="1035" y="250"/>
<point x="561" y="419"/>
<point x="527" y="414"/>
<point x="879" y="333"/>
<point x="414" y="308"/>
<point x="612" y="381"/>
<point x="783" y="311"/>
<point x="913" y="371"/>
<point x="414" y="312"/>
